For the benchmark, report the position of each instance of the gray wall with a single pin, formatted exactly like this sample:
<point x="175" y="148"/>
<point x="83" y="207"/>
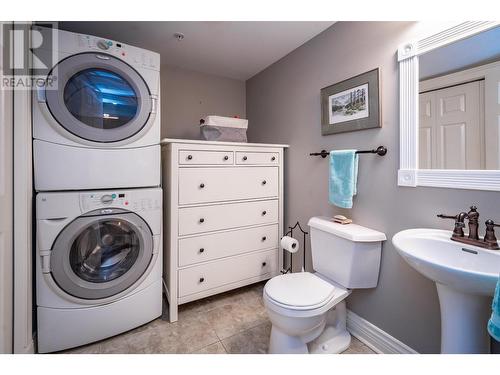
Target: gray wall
<point x="283" y="106"/>
<point x="188" y="96"/>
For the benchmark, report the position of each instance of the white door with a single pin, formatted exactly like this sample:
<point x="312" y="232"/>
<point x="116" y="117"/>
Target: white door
<point x="451" y="129"/>
<point x="427" y="140"/>
<point x="6" y="217"/>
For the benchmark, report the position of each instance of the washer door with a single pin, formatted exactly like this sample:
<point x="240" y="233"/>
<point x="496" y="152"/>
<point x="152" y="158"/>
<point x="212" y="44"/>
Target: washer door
<point x="100" y="98"/>
<point x="97" y="257"/>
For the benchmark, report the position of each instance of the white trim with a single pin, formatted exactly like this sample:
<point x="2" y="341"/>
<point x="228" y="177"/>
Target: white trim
<point x="23" y="196"/>
<point x="457" y="78"/>
<point x="375" y="338"/>
<point x="409" y="174"/>
<point x="460" y="31"/>
<point x="460" y="179"/>
<point x="6" y="198"/>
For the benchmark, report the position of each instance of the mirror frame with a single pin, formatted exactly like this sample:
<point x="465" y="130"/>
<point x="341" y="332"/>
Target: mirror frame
<point x="409" y="174"/>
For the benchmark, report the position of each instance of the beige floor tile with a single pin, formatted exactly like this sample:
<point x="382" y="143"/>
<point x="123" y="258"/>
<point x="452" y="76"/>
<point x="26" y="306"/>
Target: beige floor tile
<point x="216" y="348"/>
<point x="190" y="333"/>
<point x="237" y="317"/>
<point x="251" y="341"/>
<point x="243" y="314"/>
<point x="143" y="342"/>
<point x="357" y="347"/>
<point x="231" y="297"/>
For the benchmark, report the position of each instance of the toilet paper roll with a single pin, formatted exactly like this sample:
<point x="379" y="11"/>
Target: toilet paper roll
<point x="289" y="244"/>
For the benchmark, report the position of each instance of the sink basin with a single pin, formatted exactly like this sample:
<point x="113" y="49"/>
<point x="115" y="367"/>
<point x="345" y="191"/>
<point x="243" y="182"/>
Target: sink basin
<point x="466" y="268"/>
<point x="465" y="278"/>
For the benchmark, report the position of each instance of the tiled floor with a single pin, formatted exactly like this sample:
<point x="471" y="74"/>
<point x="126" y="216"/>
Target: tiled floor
<point x="232" y="322"/>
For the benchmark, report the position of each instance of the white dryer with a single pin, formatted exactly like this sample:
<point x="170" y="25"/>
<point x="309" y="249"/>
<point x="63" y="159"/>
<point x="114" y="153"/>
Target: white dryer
<point x="98" y="264"/>
<point x="98" y="125"/>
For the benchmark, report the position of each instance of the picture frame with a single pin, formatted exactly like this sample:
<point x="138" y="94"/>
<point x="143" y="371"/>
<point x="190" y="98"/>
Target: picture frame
<point x="352" y="104"/>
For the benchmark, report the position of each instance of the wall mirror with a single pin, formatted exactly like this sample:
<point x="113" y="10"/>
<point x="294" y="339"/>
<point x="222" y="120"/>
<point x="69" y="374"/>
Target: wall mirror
<point x="450" y="108"/>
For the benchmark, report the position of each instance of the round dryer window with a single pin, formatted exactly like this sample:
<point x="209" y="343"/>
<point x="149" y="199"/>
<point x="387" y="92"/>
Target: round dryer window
<point x="100" y="256"/>
<point x="99" y="98"/>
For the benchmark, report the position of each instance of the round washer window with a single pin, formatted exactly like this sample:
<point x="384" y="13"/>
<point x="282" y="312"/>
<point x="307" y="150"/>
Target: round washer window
<point x="104" y="250"/>
<point x="100" y="98"/>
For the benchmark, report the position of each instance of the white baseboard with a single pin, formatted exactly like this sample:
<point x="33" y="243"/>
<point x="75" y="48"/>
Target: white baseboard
<point x="376" y="339"/>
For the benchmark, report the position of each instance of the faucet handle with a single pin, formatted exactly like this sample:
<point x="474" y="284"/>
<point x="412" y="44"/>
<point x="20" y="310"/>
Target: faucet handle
<point x="458" y="231"/>
<point x="442" y="216"/>
<point x="489" y="236"/>
<point x="491" y="223"/>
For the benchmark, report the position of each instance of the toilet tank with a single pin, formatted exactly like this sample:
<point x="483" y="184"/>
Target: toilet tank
<point x="346" y="254"/>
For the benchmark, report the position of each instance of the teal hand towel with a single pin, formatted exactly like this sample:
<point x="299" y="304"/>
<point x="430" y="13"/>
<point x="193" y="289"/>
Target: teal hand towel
<point x="343" y="177"/>
<point x="494" y="322"/>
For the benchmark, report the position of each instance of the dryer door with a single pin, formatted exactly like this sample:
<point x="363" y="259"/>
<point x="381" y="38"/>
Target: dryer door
<point x="97" y="256"/>
<point x="99" y="98"/>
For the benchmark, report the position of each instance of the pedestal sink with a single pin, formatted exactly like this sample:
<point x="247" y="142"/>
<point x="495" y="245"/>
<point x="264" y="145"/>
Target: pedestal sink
<point x="465" y="278"/>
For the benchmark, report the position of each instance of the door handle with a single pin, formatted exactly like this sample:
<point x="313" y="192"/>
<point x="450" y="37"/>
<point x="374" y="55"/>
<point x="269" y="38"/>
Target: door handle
<point x="154" y="104"/>
<point x="102" y="57"/>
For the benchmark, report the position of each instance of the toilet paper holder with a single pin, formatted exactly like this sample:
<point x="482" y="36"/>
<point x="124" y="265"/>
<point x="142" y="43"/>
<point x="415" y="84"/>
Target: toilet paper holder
<point x="290" y="233"/>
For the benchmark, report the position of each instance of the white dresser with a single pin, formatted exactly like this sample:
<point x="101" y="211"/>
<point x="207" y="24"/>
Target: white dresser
<point x="223" y="216"/>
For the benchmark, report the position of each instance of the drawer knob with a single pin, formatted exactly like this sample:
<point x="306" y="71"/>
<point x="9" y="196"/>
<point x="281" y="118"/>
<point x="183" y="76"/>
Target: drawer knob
<point x="202" y="220"/>
<point x="202" y="185"/>
<point x="264" y="264"/>
<point x="190" y="157"/>
<point x="245" y="158"/>
<point x="273" y="158"/>
<point x="264" y="182"/>
<point x="226" y="157"/>
<point x="264" y="238"/>
<point x="264" y="212"/>
<point x="202" y="279"/>
<point x="202" y="250"/>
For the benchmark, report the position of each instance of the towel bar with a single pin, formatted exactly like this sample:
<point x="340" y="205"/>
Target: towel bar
<point x="381" y="151"/>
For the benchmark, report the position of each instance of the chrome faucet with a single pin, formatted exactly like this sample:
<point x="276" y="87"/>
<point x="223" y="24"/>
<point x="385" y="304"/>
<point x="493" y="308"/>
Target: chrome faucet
<point x="489" y="241"/>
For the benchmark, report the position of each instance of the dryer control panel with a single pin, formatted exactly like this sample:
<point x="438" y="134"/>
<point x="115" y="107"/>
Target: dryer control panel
<point x="131" y="54"/>
<point x="122" y="199"/>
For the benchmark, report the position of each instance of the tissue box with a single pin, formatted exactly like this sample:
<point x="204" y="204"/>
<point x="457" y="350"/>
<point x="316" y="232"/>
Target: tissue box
<point x="224" y="129"/>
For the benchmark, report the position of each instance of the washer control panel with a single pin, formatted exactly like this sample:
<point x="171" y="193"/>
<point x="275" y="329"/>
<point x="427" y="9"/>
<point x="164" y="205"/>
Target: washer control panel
<point x="122" y="199"/>
<point x="121" y="50"/>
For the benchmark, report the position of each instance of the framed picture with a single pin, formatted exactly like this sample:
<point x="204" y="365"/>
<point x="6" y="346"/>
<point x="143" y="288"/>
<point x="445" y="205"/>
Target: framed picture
<point x="351" y="105"/>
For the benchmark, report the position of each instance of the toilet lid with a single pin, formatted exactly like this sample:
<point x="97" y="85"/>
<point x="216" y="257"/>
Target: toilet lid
<point x="299" y="290"/>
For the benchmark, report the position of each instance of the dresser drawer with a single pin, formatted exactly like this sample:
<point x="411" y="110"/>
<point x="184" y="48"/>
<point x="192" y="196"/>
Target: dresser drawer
<point x="219" y="245"/>
<point x="196" y="157"/>
<point x="226" y="271"/>
<point x="243" y="157"/>
<point x="194" y="220"/>
<point x="204" y="185"/>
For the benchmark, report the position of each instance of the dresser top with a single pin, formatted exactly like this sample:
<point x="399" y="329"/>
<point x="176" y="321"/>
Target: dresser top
<point x="165" y="141"/>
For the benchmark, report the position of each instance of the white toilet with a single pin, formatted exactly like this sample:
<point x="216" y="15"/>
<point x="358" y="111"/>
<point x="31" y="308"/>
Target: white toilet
<point x="307" y="310"/>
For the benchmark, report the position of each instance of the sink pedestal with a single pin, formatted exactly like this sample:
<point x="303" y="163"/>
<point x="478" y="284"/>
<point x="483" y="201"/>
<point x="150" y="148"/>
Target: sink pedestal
<point x="463" y="321"/>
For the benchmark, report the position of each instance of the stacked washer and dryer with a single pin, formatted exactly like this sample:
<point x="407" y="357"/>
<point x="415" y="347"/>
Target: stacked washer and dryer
<point x="96" y="154"/>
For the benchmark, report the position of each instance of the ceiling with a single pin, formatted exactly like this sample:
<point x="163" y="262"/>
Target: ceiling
<point x="236" y="50"/>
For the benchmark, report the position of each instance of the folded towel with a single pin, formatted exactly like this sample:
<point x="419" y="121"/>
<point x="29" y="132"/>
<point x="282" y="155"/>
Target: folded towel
<point x="343" y="177"/>
<point x="494" y="322"/>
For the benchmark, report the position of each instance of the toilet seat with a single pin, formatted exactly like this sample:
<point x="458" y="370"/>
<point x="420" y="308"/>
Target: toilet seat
<point x="302" y="294"/>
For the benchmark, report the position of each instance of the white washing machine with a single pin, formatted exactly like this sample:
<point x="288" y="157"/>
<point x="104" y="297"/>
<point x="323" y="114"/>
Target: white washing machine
<point x="98" y="264"/>
<point x="98" y="126"/>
